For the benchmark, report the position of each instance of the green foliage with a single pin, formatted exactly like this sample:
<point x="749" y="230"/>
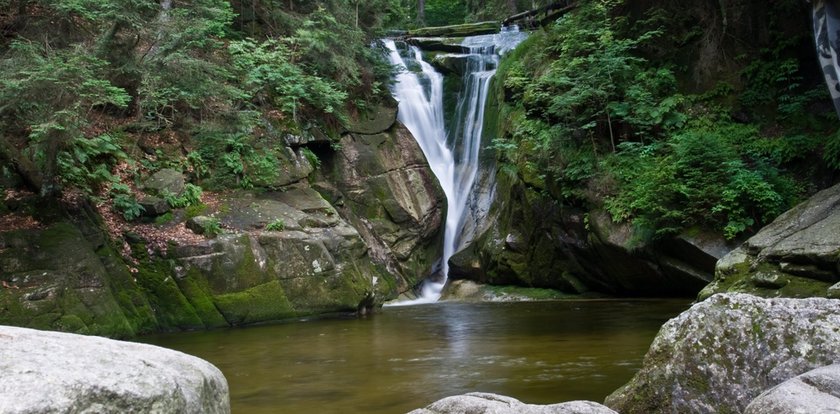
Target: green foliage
<point x="591" y="121"/>
<point x="46" y="97"/>
<point x="189" y="197"/>
<point x="128" y="206"/>
<point x="311" y="157"/>
<point x="195" y="210"/>
<point x="271" y="78"/>
<point x="236" y="156"/>
<point x="276" y="225"/>
<point x="87" y="162"/>
<point x="699" y="179"/>
<point x="212" y="227"/>
<point x="445" y="12"/>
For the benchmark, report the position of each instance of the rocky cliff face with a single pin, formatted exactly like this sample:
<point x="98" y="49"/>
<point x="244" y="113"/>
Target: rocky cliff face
<point x="365" y="231"/>
<point x="532" y="240"/>
<point x="798" y="255"/>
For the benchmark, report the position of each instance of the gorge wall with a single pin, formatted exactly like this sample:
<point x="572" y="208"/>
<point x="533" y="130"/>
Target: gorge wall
<point x="365" y="230"/>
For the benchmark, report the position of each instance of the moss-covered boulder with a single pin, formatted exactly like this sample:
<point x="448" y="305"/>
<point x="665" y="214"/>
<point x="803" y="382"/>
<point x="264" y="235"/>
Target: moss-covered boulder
<point x="451" y="64"/>
<point x="165" y="181"/>
<point x="722" y="353"/>
<point x="458" y="30"/>
<point x="797" y="255"/>
<point x="57" y="278"/>
<point x="439" y="44"/>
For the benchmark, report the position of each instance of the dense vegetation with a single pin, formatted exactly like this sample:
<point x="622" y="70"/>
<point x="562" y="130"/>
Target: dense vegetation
<point x="86" y="83"/>
<point x="615" y="106"/>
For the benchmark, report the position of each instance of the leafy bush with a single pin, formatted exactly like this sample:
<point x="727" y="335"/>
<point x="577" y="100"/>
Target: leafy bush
<point x="699" y="179"/>
<point x="128" y="206"/>
<point x="190" y="196"/>
<point x="212" y="227"/>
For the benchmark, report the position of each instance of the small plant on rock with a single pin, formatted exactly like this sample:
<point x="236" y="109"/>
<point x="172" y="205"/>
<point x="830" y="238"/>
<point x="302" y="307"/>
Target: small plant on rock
<point x="276" y="225"/>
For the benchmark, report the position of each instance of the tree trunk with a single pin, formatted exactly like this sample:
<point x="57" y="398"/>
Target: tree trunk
<point x="421" y="12"/>
<point x="511" y="6"/>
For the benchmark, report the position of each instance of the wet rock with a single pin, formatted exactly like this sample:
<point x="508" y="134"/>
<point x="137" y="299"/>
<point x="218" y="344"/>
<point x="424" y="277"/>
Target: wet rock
<point x="451" y="64"/>
<point x="816" y="391"/>
<point x="438" y="44"/>
<point x="479" y="402"/>
<point x="723" y="352"/>
<point x="58" y="372"/>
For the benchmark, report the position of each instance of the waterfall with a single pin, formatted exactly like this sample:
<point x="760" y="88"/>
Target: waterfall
<point x="451" y="150"/>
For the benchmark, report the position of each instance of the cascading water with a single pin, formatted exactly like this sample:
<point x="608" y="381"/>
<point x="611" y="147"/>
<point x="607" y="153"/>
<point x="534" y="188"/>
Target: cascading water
<point x="451" y="150"/>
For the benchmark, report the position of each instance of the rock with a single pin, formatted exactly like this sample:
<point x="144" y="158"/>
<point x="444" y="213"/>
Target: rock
<point x="154" y="206"/>
<point x="165" y="180"/>
<point x="816" y="391"/>
<point x="375" y="121"/>
<point x="392" y="198"/>
<point x="200" y="224"/>
<point x="720" y="354"/>
<point x="458" y="30"/>
<point x="438" y="44"/>
<point x="58" y="372"/>
<point x="801" y="246"/>
<point x="469" y="291"/>
<point x="451" y="64"/>
<point x="65" y="279"/>
<point x="486" y="403"/>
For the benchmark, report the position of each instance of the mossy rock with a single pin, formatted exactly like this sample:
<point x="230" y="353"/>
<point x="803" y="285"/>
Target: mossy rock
<point x="261" y="303"/>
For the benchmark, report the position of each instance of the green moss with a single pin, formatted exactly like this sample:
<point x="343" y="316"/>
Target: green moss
<point x="261" y="303"/>
<point x="195" y="288"/>
<point x="172" y="310"/>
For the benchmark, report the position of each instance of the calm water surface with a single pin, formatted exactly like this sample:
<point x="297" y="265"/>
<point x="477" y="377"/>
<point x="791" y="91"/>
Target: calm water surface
<point x="406" y="357"/>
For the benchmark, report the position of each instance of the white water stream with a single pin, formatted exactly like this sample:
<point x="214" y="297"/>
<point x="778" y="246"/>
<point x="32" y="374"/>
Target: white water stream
<point x="452" y="150"/>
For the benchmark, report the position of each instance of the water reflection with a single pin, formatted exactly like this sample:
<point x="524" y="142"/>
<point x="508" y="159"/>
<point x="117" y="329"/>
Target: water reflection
<point x="407" y="357"/>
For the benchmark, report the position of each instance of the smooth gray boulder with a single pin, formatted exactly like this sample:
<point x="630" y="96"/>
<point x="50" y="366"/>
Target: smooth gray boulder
<point x="52" y="372"/>
<point x="487" y="403"/>
<point x="723" y="352"/>
<point x="814" y="392"/>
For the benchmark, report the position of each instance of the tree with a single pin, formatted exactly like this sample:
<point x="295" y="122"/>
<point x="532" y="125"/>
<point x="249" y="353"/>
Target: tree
<point x="421" y="12"/>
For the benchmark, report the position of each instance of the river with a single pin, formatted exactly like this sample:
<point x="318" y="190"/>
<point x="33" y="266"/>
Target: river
<point x="406" y="357"/>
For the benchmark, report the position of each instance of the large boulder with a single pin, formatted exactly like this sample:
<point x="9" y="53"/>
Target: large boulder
<point x="797" y="255"/>
<point x="722" y="353"/>
<point x="486" y="403"/>
<point x="165" y="181"/>
<point x="51" y="372"/>
<point x="816" y="391"/>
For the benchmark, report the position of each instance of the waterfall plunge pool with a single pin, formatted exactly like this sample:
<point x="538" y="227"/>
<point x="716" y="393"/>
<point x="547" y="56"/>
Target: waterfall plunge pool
<point x="403" y="358"/>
